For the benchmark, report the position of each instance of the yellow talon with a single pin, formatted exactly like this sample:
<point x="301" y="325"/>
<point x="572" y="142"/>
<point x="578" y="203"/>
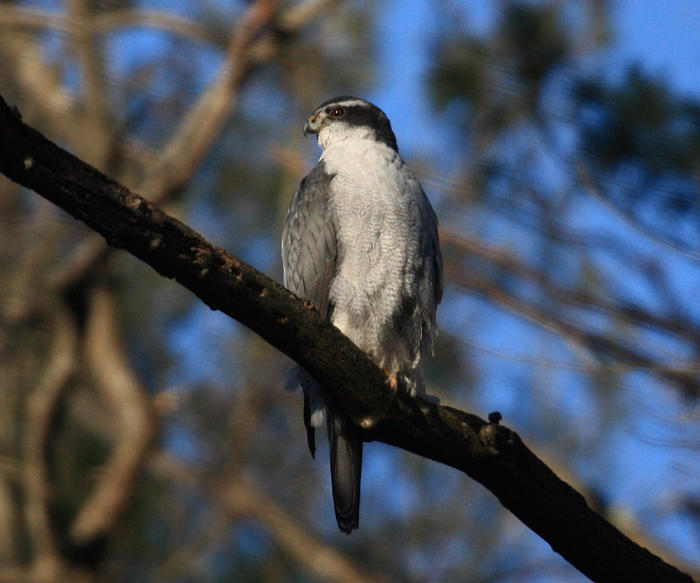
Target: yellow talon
<point x="393" y="380"/>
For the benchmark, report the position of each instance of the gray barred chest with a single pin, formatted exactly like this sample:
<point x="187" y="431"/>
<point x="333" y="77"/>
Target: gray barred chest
<point x="374" y="203"/>
<point x="370" y="293"/>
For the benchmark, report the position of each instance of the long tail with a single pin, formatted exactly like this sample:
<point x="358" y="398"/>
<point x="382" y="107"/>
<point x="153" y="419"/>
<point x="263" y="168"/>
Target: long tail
<point x="346" y="470"/>
<point x="345" y="448"/>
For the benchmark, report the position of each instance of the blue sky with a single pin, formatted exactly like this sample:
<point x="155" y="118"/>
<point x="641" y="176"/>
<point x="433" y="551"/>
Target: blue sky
<point x="664" y="36"/>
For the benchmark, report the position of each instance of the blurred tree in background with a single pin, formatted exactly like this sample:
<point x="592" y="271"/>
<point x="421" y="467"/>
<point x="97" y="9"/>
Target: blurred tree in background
<point x="145" y="438"/>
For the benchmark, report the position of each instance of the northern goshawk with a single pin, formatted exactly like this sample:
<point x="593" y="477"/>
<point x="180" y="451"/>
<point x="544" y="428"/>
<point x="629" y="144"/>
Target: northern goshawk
<point x="360" y="240"/>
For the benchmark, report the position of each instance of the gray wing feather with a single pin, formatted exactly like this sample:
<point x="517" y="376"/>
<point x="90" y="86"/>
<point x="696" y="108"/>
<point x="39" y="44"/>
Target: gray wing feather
<point x="310" y="256"/>
<point x="309" y="250"/>
<point x="437" y="259"/>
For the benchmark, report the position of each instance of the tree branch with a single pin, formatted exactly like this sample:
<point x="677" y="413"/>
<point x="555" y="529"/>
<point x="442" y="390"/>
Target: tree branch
<point x="491" y="454"/>
<point x="251" y="45"/>
<point x="47" y="562"/>
<point x="240" y="498"/>
<point x="116" y="383"/>
<point x="629" y="312"/>
<point x="684" y="376"/>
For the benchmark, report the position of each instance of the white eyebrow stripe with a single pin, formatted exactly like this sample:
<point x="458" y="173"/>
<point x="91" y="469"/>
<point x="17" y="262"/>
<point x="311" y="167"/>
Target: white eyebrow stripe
<point x="351" y="103"/>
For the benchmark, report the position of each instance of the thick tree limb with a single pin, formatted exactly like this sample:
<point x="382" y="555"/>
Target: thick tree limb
<point x="491" y="454"/>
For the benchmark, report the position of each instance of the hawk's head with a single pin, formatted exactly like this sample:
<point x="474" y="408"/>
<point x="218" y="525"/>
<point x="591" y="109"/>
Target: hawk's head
<point x="347" y="117"/>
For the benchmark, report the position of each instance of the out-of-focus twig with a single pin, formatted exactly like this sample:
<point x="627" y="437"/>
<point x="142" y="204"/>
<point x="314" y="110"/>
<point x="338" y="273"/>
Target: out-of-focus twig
<point x="205" y="120"/>
<point x="582" y="171"/>
<point x="591" y="344"/>
<point x="96" y="134"/>
<point x="47" y="561"/>
<point x="631" y="313"/>
<point x="318" y="558"/>
<point x="241" y="499"/>
<point x="118" y="385"/>
<point x="584" y="176"/>
<point x="251" y="45"/>
<point x="39" y="83"/>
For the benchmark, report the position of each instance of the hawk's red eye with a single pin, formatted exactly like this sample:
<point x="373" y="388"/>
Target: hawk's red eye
<point x="336" y="112"/>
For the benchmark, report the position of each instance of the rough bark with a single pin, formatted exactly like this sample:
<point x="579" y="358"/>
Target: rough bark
<point x="488" y="452"/>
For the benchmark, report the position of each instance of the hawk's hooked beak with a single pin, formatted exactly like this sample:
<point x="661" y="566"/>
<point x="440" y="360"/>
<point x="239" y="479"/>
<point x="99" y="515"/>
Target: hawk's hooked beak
<point x="310" y="127"/>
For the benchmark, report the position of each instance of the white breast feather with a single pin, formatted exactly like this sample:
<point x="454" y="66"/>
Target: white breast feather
<point x="379" y="208"/>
